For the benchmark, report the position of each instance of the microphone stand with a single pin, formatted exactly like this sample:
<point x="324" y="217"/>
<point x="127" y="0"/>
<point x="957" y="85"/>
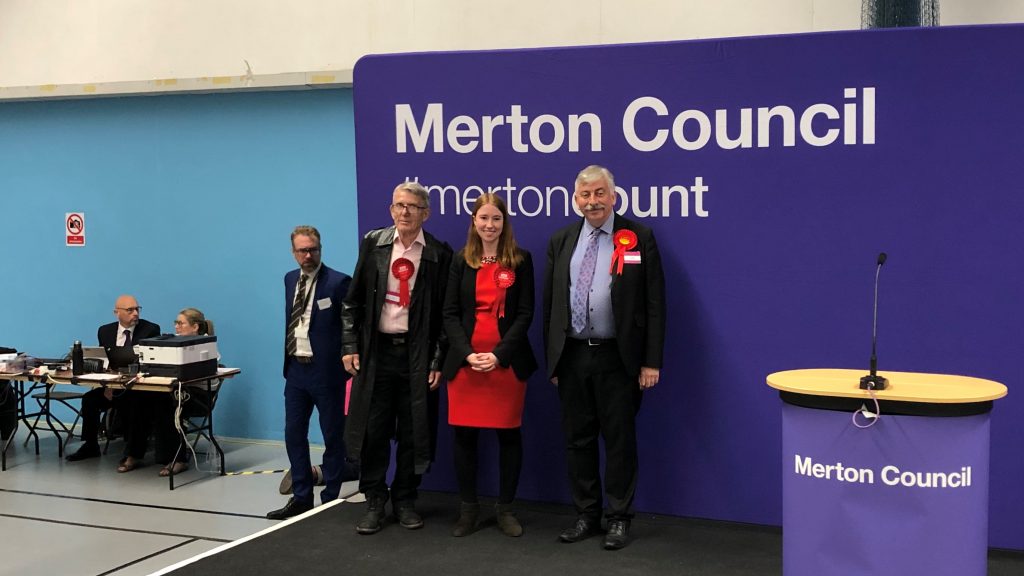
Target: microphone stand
<point x="873" y="381"/>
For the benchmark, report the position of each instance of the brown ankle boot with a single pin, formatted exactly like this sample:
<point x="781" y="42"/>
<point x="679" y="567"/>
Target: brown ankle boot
<point x="507" y="521"/>
<point x="466" y="524"/>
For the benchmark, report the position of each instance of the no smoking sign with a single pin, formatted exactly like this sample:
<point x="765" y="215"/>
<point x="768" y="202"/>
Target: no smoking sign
<point x="74" y="229"/>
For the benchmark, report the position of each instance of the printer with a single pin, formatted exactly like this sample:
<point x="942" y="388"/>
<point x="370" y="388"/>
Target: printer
<point x="12" y="363"/>
<point x="181" y="357"/>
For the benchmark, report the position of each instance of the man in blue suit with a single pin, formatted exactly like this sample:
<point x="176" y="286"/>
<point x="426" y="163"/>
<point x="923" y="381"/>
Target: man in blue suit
<point x="313" y="372"/>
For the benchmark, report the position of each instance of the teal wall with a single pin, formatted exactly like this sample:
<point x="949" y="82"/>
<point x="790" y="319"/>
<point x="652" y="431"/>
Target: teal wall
<point x="189" y="200"/>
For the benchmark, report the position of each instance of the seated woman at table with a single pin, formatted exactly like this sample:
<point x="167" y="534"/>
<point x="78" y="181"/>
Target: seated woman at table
<point x="190" y="322"/>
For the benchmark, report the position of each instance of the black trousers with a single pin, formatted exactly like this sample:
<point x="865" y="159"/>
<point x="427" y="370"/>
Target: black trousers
<point x="167" y="439"/>
<point x="94" y="402"/>
<point x="136" y="417"/>
<point x="390" y="417"/>
<point x="599" y="399"/>
<point x="141" y="417"/>
<point x="510" y="462"/>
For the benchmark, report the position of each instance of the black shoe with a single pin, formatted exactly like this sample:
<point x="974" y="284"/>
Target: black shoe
<point x="373" y="520"/>
<point x="292" y="508"/>
<point x="583" y="529"/>
<point x="84" y="452"/>
<point x="407" y="517"/>
<point x="617" y="536"/>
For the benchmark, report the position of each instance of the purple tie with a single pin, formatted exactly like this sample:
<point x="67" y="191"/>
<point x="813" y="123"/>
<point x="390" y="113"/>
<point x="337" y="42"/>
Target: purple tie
<point x="581" y="296"/>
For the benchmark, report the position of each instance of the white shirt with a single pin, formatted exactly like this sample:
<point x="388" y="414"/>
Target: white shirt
<point x="121" y="340"/>
<point x="302" y="345"/>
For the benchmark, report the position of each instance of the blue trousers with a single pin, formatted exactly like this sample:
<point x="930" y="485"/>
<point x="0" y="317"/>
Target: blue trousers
<point x="305" y="388"/>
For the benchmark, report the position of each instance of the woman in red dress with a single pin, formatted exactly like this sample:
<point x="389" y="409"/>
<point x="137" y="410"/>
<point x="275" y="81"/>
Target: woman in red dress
<point x="487" y="311"/>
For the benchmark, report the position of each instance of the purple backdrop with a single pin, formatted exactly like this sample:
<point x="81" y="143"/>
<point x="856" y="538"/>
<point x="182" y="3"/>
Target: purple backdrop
<point x="904" y="141"/>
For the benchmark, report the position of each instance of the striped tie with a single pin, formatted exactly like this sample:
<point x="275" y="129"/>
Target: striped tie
<point x="298" y="309"/>
<point x="581" y="295"/>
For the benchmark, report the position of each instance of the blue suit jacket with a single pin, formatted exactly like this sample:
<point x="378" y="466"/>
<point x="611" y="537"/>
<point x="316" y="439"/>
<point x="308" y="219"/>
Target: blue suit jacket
<point x="324" y="322"/>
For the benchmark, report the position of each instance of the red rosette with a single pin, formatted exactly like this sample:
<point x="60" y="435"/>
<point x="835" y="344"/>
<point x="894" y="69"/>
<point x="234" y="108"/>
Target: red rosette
<point x="504" y="278"/>
<point x="623" y="240"/>
<point x="403" y="269"/>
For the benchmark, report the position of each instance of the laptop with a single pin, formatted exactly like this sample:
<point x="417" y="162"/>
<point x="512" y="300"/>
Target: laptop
<point x="120" y="357"/>
<point x="94" y="352"/>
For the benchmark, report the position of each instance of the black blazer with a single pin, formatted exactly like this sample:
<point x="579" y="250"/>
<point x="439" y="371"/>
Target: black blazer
<point x="106" y="335"/>
<point x="460" y="317"/>
<point x="638" y="300"/>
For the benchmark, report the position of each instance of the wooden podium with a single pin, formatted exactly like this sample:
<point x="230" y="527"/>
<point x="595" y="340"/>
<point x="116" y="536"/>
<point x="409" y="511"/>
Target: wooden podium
<point x="903" y="386"/>
<point x="906" y="493"/>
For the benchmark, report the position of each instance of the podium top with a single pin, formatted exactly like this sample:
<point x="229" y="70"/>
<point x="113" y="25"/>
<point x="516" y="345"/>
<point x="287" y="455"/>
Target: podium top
<point x="903" y="386"/>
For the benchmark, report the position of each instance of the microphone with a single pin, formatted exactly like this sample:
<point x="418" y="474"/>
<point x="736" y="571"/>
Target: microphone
<point x="873" y="381"/>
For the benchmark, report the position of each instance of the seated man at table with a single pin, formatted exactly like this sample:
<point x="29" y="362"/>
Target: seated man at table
<point x="127" y="331"/>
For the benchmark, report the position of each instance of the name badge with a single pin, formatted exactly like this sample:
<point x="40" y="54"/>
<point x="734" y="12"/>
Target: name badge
<point x="324" y="303"/>
<point x="392" y="297"/>
<point x="632" y="257"/>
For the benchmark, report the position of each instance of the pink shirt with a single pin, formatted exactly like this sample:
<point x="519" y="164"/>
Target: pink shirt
<point x="394" y="319"/>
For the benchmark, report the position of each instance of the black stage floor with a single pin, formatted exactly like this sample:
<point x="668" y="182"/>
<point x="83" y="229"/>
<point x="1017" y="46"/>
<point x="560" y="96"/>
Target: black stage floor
<point x="326" y="543"/>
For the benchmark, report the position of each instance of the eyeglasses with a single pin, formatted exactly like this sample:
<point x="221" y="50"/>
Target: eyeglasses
<point x="308" y="251"/>
<point x="179" y="323"/>
<point x="131" y="310"/>
<point x="599" y="194"/>
<point x="412" y="208"/>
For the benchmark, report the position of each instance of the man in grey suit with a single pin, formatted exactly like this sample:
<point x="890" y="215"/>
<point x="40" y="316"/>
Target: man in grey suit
<point x="604" y="329"/>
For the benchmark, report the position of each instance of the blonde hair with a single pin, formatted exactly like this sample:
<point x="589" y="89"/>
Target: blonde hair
<point x="509" y="254"/>
<point x="299" y="231"/>
<point x="195" y="317"/>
